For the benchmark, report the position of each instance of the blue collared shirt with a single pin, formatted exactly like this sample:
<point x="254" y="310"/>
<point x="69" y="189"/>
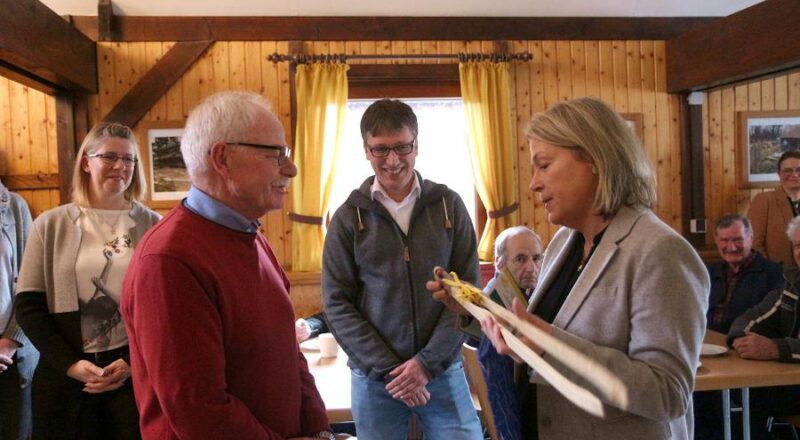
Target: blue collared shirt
<point x="209" y="208"/>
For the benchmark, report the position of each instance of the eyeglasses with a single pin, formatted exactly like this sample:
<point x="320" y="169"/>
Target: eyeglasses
<point x="399" y="149"/>
<point x="790" y="171"/>
<point x="284" y="153"/>
<point x="112" y="158"/>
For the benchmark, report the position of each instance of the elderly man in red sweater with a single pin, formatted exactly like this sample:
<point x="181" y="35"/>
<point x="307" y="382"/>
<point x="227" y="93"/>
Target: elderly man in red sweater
<point x="205" y="301"/>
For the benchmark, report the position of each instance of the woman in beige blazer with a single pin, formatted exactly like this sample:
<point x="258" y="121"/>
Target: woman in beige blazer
<point x="617" y="283"/>
<point x="770" y="212"/>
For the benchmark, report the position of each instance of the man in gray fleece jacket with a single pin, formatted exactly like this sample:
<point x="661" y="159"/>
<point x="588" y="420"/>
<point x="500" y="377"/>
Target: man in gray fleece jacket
<point x="382" y="245"/>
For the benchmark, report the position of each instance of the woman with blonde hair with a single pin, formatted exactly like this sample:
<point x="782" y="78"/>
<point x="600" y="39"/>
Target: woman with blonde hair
<point x="617" y="283"/>
<point x="69" y="289"/>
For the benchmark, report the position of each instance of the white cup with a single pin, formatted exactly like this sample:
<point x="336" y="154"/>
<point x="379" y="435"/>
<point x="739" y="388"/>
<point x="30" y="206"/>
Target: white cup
<point x="327" y="345"/>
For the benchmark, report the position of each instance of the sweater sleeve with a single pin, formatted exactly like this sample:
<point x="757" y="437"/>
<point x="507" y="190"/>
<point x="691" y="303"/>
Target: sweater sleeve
<point x="41" y="328"/>
<point x="188" y="361"/>
<point x="23" y="220"/>
<point x="340" y="290"/>
<point x="445" y="342"/>
<point x="313" y="415"/>
<point x="765" y="319"/>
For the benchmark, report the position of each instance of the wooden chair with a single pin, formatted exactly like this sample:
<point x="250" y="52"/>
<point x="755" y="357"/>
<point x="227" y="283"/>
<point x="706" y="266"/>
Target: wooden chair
<point x="478" y="387"/>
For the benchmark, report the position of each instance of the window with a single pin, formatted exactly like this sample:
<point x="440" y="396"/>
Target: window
<point x="442" y="157"/>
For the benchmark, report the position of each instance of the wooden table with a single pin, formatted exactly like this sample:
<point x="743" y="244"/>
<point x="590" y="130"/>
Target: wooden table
<point x="332" y="376"/>
<point x="729" y="371"/>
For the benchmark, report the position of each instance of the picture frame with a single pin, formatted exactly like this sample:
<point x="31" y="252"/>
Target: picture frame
<point x="762" y="137"/>
<point x="636" y="122"/>
<point x="162" y="163"/>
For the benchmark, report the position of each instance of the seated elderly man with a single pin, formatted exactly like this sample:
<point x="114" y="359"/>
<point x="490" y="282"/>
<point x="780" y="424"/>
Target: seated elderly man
<point x="520" y="250"/>
<point x="769" y="332"/>
<point x="743" y="277"/>
<point x="740" y="281"/>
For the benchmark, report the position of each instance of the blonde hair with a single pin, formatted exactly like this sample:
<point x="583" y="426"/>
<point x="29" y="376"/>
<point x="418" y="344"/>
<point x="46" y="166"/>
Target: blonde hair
<point x="91" y="143"/>
<point x="597" y="134"/>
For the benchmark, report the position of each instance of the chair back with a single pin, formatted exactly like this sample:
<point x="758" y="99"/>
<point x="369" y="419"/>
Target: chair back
<point x="478" y="387"/>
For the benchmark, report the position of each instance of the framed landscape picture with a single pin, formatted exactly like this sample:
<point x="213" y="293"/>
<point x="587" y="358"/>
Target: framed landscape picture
<point x="165" y="172"/>
<point x="763" y="137"/>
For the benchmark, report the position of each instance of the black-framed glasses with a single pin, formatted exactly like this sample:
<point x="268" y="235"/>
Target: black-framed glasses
<point x="112" y="158"/>
<point x="284" y="153"/>
<point x="399" y="149"/>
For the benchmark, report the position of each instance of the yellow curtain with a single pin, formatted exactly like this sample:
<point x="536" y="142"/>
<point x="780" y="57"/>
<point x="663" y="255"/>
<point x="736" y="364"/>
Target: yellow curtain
<point x="321" y="108"/>
<point x="485" y="88"/>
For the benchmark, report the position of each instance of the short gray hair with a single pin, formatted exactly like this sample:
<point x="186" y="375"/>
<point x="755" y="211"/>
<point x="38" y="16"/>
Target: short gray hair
<point x="792" y="228"/>
<point x="223" y="116"/>
<point x="502" y="239"/>
<point x="597" y="134"/>
<point x="728" y="220"/>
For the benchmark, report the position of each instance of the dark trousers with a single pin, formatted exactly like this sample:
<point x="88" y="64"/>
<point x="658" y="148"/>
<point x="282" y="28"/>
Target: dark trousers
<point x="764" y="403"/>
<point x="112" y="415"/>
<point x="15" y="406"/>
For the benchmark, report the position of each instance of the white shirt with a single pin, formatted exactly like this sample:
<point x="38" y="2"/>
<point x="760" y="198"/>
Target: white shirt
<point x="400" y="211"/>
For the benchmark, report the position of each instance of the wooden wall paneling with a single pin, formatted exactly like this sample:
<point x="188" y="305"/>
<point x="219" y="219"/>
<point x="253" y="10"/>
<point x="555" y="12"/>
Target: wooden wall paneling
<point x="399" y="48"/>
<point x="781" y="92"/>
<point x="592" y="53"/>
<point x="716" y="178"/>
<point x="19" y="160"/>
<point x="192" y="93"/>
<point x="428" y="47"/>
<point x="563" y="70"/>
<point x="122" y="72"/>
<point x="754" y="96"/>
<point x="551" y="97"/>
<point x="578" y="68"/>
<point x="279" y="228"/>
<point x="174" y="96"/>
<point x="794" y="90"/>
<point x="522" y="92"/>
<point x="768" y="94"/>
<point x="106" y="78"/>
<point x="381" y="48"/>
<point x="351" y="48"/>
<point x="606" y="65"/>
<point x="633" y="54"/>
<point x="674" y="217"/>
<point x="153" y="53"/>
<point x="648" y="109"/>
<point x="37" y="121"/>
<point x="537" y="85"/>
<point x="5" y="126"/>
<point x="663" y="160"/>
<point x="732" y="200"/>
<point x="52" y="140"/>
<point x="237" y="75"/>
<point x="220" y="64"/>
<point x="620" y="102"/>
<point x="367" y="48"/>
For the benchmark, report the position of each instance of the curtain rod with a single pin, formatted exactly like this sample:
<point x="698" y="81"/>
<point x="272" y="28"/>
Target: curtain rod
<point x="342" y="58"/>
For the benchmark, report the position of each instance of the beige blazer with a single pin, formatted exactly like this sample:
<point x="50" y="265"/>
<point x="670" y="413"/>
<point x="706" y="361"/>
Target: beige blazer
<point x="770" y="214"/>
<point x="639" y="309"/>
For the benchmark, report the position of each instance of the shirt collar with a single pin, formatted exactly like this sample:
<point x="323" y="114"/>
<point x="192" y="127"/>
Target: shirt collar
<point x="377" y="190"/>
<point x="211" y="209"/>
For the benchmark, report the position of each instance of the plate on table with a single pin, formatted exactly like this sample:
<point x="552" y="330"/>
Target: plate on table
<point x="713" y="350"/>
<point x="310" y="345"/>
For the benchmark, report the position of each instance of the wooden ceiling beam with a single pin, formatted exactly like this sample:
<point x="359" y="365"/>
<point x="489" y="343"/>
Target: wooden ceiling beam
<point x="39" y="45"/>
<point x="155" y="83"/>
<point x="391" y="28"/>
<point x="759" y="40"/>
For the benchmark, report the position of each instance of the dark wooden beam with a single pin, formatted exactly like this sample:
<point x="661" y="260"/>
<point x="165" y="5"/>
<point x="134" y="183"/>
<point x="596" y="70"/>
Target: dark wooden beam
<point x="31" y="181"/>
<point x="105" y="20"/>
<point x="759" y="40"/>
<point x="155" y="83"/>
<point x="392" y="28"/>
<point x="67" y="144"/>
<point x="692" y="172"/>
<point x="371" y="81"/>
<point x="43" y="47"/>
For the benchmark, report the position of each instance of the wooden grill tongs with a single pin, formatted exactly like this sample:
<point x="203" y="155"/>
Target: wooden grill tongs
<point x="607" y="385"/>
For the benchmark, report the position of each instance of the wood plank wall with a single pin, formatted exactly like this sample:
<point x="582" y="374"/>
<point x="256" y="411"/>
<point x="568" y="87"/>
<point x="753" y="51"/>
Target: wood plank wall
<point x="720" y="106"/>
<point x="630" y="75"/>
<point x="28" y="139"/>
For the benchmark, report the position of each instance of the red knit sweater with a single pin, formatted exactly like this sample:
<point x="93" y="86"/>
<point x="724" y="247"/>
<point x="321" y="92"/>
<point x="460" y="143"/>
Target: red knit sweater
<point x="211" y="331"/>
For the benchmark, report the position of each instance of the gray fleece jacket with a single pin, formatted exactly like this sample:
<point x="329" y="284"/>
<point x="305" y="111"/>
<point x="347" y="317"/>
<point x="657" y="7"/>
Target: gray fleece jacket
<point x="373" y="279"/>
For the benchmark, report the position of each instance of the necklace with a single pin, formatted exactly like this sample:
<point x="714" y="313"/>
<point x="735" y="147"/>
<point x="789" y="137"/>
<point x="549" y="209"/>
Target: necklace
<point x="112" y="225"/>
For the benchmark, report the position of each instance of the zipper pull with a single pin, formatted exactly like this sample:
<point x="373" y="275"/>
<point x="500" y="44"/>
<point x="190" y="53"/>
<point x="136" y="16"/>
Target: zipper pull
<point x="406" y="254"/>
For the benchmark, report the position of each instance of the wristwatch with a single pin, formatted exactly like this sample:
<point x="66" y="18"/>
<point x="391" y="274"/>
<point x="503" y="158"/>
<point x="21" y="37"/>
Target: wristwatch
<point x="324" y="434"/>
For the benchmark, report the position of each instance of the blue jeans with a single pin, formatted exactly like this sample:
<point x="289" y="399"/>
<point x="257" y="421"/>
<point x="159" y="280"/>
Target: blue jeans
<point x="449" y="415"/>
